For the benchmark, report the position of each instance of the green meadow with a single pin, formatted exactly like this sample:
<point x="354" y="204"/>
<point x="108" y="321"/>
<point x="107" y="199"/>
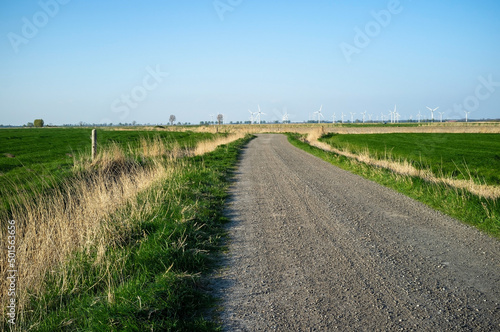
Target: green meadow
<point x="460" y="156"/>
<point x="40" y="158"/>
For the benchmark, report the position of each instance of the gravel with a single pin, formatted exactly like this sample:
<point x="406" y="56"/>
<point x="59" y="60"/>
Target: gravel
<point x="315" y="248"/>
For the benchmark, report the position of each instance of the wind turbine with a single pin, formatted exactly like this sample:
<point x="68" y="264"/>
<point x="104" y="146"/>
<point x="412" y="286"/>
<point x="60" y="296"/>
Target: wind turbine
<point x="466" y="114"/>
<point x="333" y="117"/>
<point x="364" y="114"/>
<point x="370" y="117"/>
<point x="432" y="112"/>
<point x="285" y="117"/>
<point x="319" y="113"/>
<point x="419" y="116"/>
<point x="342" y="117"/>
<point x="352" y="117"/>
<point x="259" y="113"/>
<point x="441" y="116"/>
<point x="394" y="115"/>
<point x="251" y="116"/>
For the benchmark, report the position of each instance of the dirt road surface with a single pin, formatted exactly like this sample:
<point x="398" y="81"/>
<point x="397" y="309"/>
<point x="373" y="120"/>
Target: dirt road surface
<point x="315" y="248"/>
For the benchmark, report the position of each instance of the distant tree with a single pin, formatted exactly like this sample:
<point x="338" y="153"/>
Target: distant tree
<point x="30" y="124"/>
<point x="172" y="119"/>
<point x="220" y="119"/>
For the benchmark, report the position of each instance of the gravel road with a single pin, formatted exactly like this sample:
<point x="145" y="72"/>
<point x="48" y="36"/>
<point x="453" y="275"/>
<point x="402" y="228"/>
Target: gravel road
<point x="315" y="248"/>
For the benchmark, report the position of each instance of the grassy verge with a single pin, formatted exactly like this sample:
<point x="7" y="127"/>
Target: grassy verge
<point x="459" y="203"/>
<point x="149" y="278"/>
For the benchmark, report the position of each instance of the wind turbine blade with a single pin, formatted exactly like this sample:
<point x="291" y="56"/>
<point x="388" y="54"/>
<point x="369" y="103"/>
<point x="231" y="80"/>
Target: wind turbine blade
<point x="430" y="109"/>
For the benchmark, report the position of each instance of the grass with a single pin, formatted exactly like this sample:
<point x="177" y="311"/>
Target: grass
<point x="43" y="158"/>
<point x="460" y="156"/>
<point x="459" y="203"/>
<point x="122" y="245"/>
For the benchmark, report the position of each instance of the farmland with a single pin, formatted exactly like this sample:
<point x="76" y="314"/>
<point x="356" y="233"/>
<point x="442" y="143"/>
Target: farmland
<point x="461" y="156"/>
<point x="123" y="242"/>
<point x="100" y="227"/>
<point x="34" y="159"/>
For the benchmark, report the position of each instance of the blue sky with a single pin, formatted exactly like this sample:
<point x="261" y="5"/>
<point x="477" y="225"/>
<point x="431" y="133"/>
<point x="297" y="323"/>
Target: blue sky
<point x="68" y="61"/>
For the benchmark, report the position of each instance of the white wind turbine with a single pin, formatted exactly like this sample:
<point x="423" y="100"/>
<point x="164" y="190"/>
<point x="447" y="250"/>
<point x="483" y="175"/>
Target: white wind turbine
<point x="333" y="117"/>
<point x="259" y="113"/>
<point x="394" y="115"/>
<point x="342" y="117"/>
<point x="364" y="115"/>
<point x="466" y="116"/>
<point x="352" y="117"/>
<point x="432" y="112"/>
<point x="370" y="117"/>
<point x="285" y="117"/>
<point x="441" y="116"/>
<point x="319" y="114"/>
<point x="251" y="116"/>
<point x="419" y="116"/>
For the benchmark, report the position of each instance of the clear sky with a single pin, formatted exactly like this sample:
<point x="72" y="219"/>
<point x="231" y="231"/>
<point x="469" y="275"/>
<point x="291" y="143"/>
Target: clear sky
<point x="68" y="61"/>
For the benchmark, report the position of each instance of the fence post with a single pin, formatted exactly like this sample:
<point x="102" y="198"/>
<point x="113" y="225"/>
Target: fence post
<point x="94" y="144"/>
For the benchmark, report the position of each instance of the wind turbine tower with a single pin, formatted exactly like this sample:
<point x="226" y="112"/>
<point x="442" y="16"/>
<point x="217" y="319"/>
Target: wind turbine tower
<point x="319" y="114"/>
<point x="441" y="116"/>
<point x="432" y="112"/>
<point x="251" y="116"/>
<point x="285" y="117"/>
<point x="259" y="113"/>
<point x="466" y="116"/>
<point x="352" y="117"/>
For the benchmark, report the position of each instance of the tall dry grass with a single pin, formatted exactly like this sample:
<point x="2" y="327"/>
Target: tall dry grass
<point x="92" y="211"/>
<point x="405" y="168"/>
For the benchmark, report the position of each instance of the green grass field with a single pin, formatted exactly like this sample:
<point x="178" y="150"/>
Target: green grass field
<point x="452" y="155"/>
<point x="40" y="158"/>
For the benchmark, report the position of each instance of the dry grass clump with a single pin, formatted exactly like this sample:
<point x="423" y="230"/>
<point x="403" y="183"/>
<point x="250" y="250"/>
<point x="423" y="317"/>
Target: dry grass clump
<point x="405" y="168"/>
<point x="84" y="213"/>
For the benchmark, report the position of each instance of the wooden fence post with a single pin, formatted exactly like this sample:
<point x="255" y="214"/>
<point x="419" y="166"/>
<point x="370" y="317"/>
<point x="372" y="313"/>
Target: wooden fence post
<point x="94" y="144"/>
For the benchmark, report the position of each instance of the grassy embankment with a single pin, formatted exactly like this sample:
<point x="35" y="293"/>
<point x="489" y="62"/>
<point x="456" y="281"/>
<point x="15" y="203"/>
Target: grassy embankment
<point x="458" y="202"/>
<point x="123" y="245"/>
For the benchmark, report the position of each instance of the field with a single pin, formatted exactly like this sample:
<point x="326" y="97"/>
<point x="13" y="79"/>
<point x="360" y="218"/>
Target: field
<point x="34" y="159"/>
<point x="123" y="242"/>
<point x="461" y="156"/>
<point x="136" y="223"/>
